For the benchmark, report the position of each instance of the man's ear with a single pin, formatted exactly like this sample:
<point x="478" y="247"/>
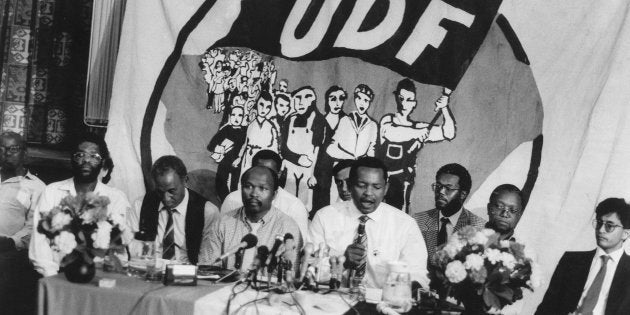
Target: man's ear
<point x="626" y="234"/>
<point x="386" y="187"/>
<point x="464" y="195"/>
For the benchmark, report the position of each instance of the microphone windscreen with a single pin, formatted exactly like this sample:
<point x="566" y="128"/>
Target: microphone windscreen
<point x="250" y="239"/>
<point x="263" y="253"/>
<point x="288" y="236"/>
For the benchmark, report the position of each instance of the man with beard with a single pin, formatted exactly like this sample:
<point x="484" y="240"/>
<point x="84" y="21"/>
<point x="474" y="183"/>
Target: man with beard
<point x="19" y="194"/>
<point x="505" y="209"/>
<point x="283" y="200"/>
<point x="303" y="134"/>
<point x="86" y="160"/>
<point x="257" y="216"/>
<point x="369" y="232"/>
<point x="451" y="187"/>
<point x="176" y="217"/>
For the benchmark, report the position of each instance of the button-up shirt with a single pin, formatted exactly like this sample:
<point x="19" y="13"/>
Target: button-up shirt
<point x="611" y="267"/>
<point x="19" y="196"/>
<point x="450" y="227"/>
<point x="211" y="213"/>
<point x="286" y="202"/>
<point x="45" y="260"/>
<point x="392" y="235"/>
<point x="233" y="225"/>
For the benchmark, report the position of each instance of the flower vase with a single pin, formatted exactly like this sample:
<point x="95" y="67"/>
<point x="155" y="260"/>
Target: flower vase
<point x="80" y="270"/>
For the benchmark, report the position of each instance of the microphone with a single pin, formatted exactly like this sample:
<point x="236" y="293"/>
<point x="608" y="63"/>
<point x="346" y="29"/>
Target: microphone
<point x="259" y="261"/>
<point x="248" y="241"/>
<point x="272" y="260"/>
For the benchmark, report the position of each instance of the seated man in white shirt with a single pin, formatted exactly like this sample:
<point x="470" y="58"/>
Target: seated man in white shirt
<point x="392" y="235"/>
<point x="87" y="160"/>
<point x="598" y="281"/>
<point x="285" y="202"/>
<point x="176" y="217"/>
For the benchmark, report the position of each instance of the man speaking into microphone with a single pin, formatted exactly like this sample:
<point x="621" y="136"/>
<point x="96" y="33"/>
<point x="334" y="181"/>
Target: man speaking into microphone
<point x="369" y="232"/>
<point x="257" y="216"/>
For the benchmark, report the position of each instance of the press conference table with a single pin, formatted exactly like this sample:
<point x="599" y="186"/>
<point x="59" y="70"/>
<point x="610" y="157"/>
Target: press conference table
<point x="135" y="296"/>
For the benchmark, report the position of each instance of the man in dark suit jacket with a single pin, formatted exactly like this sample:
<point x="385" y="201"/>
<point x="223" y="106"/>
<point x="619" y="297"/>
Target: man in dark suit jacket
<point x="597" y="281"/>
<point x="175" y="217"/>
<point x="451" y="187"/>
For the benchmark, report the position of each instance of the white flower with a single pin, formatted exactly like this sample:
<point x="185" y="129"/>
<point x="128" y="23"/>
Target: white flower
<point x="119" y="220"/>
<point x="455" y="271"/>
<point x="508" y="260"/>
<point x="101" y="235"/>
<point x="504" y="244"/>
<point x="65" y="242"/>
<point x="60" y="220"/>
<point x="87" y="216"/>
<point x="450" y="250"/>
<point x="474" y="261"/>
<point x="493" y="255"/>
<point x="480" y="238"/>
<point x="456" y="242"/>
<point x="488" y="232"/>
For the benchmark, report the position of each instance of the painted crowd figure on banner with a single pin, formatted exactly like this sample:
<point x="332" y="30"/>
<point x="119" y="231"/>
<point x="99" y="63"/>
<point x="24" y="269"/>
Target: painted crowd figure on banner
<point x="401" y="139"/>
<point x="357" y="133"/>
<point x="230" y="73"/>
<point x="335" y="98"/>
<point x="225" y="147"/>
<point x="261" y="134"/>
<point x="304" y="132"/>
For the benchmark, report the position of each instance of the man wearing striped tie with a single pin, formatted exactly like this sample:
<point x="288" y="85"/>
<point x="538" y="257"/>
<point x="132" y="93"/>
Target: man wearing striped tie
<point x="369" y="232"/>
<point x="176" y="217"/>
<point x="598" y="281"/>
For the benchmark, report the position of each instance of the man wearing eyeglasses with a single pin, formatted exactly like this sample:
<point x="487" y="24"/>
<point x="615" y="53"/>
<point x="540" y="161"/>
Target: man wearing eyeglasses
<point x="504" y="210"/>
<point x="597" y="281"/>
<point x="451" y="187"/>
<point x="19" y="194"/>
<point x="87" y="158"/>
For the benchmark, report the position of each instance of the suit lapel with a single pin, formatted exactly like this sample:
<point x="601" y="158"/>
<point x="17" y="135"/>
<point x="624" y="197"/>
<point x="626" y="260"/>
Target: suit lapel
<point x="462" y="221"/>
<point x="619" y="286"/>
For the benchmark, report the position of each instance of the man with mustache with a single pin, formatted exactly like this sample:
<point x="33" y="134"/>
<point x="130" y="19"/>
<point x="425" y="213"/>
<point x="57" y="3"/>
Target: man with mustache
<point x="87" y="158"/>
<point x="505" y="209"/>
<point x="258" y="216"/>
<point x="388" y="233"/>
<point x="283" y="200"/>
<point x="597" y="281"/>
<point x="451" y="187"/>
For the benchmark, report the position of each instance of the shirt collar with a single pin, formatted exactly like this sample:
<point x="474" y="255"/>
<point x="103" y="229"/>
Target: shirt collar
<point x="14" y="179"/>
<point x="265" y="219"/>
<point x="454" y="218"/>
<point x="614" y="256"/>
<point x="182" y="206"/>
<point x="375" y="215"/>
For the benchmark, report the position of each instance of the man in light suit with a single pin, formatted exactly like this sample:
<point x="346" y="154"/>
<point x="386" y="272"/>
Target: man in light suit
<point x="451" y="187"/>
<point x="597" y="281"/>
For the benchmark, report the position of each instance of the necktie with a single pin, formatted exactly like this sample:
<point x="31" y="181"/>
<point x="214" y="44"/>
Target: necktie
<point x="362" y="239"/>
<point x="168" y="242"/>
<point x="442" y="235"/>
<point x="592" y="296"/>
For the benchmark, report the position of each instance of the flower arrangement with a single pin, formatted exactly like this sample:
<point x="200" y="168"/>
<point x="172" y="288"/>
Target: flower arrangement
<point x="474" y="266"/>
<point x="82" y="226"/>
